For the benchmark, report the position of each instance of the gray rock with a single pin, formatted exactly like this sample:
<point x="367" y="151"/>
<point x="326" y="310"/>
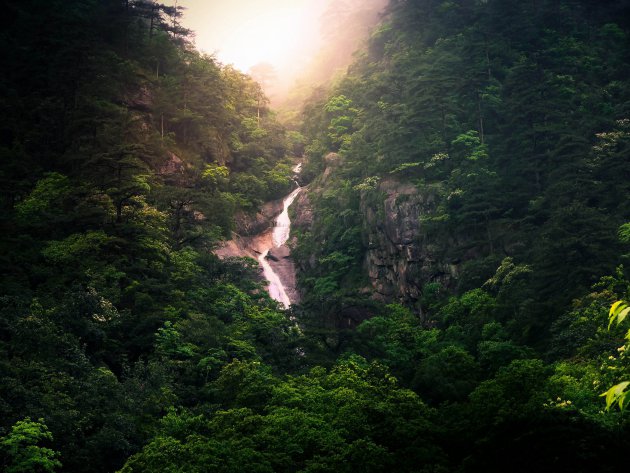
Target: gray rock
<point x="254" y="223"/>
<point x="398" y="260"/>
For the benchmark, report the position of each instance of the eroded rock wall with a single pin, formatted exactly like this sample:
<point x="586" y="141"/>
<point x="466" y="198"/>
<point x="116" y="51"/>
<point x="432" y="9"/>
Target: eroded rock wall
<point x="400" y="259"/>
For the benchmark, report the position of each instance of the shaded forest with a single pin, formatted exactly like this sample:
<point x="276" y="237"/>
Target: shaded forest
<point x="127" y="345"/>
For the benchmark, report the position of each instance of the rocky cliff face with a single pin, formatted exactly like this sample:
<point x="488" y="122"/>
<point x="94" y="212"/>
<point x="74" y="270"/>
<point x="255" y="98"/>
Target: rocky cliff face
<point x="399" y="258"/>
<point x="302" y="221"/>
<point x="302" y="211"/>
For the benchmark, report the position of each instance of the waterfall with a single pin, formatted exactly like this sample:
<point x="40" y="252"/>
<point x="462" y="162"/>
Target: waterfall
<point x="279" y="236"/>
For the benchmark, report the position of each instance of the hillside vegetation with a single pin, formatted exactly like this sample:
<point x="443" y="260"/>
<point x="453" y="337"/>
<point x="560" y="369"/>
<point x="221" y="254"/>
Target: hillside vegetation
<point x="126" y="345"/>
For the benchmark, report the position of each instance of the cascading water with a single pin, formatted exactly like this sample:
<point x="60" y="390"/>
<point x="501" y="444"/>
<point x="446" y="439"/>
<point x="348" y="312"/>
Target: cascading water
<point x="279" y="236"/>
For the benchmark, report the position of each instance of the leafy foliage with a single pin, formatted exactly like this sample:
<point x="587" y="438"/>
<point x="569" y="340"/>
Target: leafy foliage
<point x="21" y="446"/>
<point x="125" y="155"/>
<point x="619" y="393"/>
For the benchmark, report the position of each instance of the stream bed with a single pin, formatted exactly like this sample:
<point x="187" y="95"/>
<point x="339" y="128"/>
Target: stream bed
<point x="270" y="249"/>
<point x="279" y="236"/>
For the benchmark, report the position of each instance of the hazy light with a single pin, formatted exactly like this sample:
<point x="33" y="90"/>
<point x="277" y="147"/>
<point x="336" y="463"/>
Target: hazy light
<point x="285" y="34"/>
<point x="271" y="38"/>
<point x="247" y="32"/>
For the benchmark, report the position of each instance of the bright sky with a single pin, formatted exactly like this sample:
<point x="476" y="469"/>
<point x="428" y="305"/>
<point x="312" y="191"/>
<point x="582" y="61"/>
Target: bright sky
<point x="246" y="32"/>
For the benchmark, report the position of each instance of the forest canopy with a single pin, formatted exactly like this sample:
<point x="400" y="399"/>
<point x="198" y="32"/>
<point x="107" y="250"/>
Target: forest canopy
<point x="487" y="142"/>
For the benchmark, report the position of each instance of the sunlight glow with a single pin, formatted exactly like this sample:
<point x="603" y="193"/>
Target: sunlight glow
<point x="247" y="32"/>
<point x="286" y="45"/>
<point x="273" y="38"/>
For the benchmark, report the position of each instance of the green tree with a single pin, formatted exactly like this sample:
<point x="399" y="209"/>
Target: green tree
<point x="619" y="393"/>
<point x="23" y="449"/>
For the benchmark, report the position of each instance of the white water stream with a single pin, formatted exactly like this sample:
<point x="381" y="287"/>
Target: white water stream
<point x="279" y="236"/>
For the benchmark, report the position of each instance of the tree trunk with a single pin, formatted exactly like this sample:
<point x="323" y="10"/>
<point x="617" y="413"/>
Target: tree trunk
<point x="119" y="206"/>
<point x="258" y="111"/>
<point x="152" y="24"/>
<point x="490" y="242"/>
<point x="481" y="135"/>
<point x="485" y="42"/>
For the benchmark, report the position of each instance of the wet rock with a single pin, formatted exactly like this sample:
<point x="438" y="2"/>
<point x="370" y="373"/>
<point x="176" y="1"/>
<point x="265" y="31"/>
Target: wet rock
<point x="254" y="237"/>
<point x="283" y="265"/>
<point x="254" y="223"/>
<point x="276" y="254"/>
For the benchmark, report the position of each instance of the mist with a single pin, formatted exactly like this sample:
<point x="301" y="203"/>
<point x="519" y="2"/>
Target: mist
<point x="284" y="44"/>
<point x="342" y="27"/>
